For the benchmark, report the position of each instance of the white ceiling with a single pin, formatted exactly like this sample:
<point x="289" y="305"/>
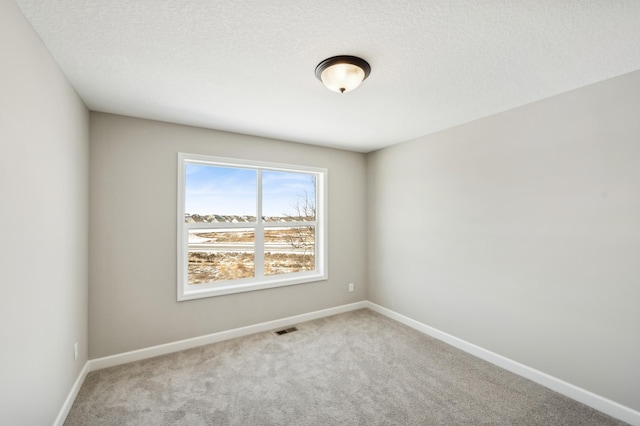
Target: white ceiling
<point x="248" y="66"/>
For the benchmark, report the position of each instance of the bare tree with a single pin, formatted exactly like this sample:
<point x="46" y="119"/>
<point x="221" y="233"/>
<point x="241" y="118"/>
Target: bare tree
<point x="304" y="209"/>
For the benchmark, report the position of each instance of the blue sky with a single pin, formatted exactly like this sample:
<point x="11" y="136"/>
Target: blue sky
<point x="232" y="191"/>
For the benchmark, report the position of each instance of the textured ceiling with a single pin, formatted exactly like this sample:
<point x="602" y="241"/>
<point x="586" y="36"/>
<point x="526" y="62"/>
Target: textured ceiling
<point x="248" y="66"/>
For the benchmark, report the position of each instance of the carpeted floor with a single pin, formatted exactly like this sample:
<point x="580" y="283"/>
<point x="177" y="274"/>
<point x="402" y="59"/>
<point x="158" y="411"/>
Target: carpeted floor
<point x="357" y="368"/>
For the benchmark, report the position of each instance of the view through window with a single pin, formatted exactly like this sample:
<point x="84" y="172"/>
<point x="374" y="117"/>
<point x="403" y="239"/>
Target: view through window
<point x="248" y="225"/>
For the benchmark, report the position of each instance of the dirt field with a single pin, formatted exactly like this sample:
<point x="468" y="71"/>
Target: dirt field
<point x="207" y="267"/>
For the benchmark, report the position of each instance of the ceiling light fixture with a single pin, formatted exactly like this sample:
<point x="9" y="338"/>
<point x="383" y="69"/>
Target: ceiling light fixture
<point x="342" y="73"/>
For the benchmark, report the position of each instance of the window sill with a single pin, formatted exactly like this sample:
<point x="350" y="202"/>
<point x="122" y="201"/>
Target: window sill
<point x="212" y="290"/>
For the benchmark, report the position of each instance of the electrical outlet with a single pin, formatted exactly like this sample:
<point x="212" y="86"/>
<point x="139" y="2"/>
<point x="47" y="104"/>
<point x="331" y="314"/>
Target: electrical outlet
<point x="350" y="287"/>
<point x="75" y="351"/>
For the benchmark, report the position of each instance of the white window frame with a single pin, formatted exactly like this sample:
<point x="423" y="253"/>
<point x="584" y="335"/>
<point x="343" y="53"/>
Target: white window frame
<point x="260" y="281"/>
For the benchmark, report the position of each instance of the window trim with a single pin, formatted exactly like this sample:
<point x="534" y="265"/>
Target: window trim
<point x="255" y="283"/>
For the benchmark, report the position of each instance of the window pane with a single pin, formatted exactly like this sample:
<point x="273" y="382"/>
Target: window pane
<point x="219" y="255"/>
<point x="219" y="194"/>
<point x="289" y="249"/>
<point x="288" y="196"/>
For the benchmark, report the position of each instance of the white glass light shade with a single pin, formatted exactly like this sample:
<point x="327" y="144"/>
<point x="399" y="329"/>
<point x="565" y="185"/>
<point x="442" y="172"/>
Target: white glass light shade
<point x="342" y="77"/>
<point x="342" y="73"/>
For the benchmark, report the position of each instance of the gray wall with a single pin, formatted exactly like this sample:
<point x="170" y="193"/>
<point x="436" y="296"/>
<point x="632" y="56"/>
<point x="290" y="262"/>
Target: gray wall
<point x="132" y="296"/>
<point x="520" y="233"/>
<point x="43" y="226"/>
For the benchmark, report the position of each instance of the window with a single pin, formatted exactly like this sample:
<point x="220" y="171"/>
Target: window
<point x="248" y="225"/>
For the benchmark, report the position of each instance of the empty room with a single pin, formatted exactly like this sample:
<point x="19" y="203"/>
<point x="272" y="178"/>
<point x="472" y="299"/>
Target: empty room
<point x="305" y="213"/>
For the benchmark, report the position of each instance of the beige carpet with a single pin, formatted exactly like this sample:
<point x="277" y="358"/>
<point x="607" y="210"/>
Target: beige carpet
<point x="358" y="368"/>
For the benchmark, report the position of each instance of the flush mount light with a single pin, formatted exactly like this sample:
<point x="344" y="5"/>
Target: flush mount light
<point x="342" y="73"/>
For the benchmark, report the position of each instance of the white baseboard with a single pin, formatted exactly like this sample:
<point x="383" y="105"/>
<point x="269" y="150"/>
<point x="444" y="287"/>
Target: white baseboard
<point x="586" y="397"/>
<point x="66" y="407"/>
<point x="123" y="358"/>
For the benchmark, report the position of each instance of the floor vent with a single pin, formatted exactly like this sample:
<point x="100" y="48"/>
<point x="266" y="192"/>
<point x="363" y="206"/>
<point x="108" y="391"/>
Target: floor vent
<point x="286" y="330"/>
